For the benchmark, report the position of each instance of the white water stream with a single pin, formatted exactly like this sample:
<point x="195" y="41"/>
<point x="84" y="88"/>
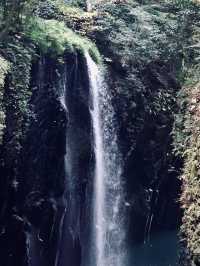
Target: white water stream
<point x="108" y="234"/>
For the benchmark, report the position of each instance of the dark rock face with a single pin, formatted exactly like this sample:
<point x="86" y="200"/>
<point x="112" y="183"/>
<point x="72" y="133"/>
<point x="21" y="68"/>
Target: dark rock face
<point x="56" y="163"/>
<point x="78" y="164"/>
<point x="16" y="95"/>
<point x="44" y="209"/>
<point x="145" y="104"/>
<point x="49" y="211"/>
<point x="32" y="201"/>
<point x="42" y="168"/>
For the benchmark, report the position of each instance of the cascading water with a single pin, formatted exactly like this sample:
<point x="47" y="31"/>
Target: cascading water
<point x="108" y="230"/>
<point x="89" y="5"/>
<point x="99" y="186"/>
<point x="62" y="201"/>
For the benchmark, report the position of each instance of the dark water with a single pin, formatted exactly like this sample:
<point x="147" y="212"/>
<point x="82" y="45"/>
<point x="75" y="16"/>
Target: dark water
<point x="161" y="250"/>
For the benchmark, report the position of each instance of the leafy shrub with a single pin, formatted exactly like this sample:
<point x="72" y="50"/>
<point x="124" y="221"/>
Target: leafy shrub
<point x="17" y="94"/>
<point x="134" y="33"/>
<point x="47" y="9"/>
<point x="187" y="145"/>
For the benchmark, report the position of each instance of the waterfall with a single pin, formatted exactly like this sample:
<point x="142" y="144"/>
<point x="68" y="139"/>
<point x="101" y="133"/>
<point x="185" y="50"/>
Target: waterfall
<point x="108" y="233"/>
<point x="99" y="185"/>
<point x="88" y="5"/>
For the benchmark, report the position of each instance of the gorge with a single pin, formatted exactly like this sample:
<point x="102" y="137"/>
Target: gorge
<point x="99" y="133"/>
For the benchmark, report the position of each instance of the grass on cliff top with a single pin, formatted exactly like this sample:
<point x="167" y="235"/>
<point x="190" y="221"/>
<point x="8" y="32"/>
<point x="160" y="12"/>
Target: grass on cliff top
<point x="54" y="38"/>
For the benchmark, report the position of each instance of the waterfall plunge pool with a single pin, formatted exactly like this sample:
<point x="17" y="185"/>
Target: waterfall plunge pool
<point x="161" y="250"/>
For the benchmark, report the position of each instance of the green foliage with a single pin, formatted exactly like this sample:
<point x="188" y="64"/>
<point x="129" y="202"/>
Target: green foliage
<point x="79" y="3"/>
<point x="190" y="77"/>
<point x="73" y="16"/>
<point x="187" y="145"/>
<point x="76" y="18"/>
<point x="13" y="13"/>
<point x="181" y="3"/>
<point x="48" y="9"/>
<point x="131" y="36"/>
<point x="54" y="38"/>
<point x="130" y="32"/>
<point x="16" y="95"/>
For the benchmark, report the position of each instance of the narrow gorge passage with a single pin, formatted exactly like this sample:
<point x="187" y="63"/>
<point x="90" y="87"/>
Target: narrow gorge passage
<point x="99" y="132"/>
